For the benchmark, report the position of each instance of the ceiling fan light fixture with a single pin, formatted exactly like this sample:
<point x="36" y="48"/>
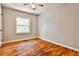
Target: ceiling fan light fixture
<point x="33" y="6"/>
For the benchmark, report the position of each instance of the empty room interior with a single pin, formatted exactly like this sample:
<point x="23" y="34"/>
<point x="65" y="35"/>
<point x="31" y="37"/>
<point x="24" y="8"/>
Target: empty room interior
<point x="39" y="29"/>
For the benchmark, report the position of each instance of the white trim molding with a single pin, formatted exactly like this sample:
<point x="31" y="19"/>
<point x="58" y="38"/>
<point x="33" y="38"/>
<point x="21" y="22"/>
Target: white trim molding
<point x="45" y="40"/>
<point x="75" y="49"/>
<point x="18" y="40"/>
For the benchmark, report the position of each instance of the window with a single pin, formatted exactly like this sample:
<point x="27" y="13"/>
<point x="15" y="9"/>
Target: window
<point x="22" y="25"/>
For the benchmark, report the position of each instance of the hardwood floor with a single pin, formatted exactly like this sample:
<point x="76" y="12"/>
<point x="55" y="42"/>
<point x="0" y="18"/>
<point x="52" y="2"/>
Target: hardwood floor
<point x="35" y="47"/>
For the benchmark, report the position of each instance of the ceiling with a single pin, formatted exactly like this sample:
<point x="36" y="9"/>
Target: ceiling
<point x="27" y="8"/>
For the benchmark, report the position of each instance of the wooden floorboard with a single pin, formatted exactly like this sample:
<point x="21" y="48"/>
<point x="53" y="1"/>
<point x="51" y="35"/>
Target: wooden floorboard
<point x="35" y="47"/>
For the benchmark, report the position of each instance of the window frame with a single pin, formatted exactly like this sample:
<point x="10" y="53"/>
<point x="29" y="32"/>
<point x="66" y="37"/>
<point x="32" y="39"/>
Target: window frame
<point x="23" y="25"/>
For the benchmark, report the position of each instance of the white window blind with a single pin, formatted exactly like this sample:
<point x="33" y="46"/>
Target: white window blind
<point x="22" y="25"/>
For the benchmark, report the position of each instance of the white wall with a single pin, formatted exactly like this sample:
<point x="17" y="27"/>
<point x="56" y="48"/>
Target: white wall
<point x="76" y="20"/>
<point x="60" y="24"/>
<point x="9" y="28"/>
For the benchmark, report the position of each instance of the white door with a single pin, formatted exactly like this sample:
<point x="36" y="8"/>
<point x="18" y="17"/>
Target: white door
<point x="0" y="26"/>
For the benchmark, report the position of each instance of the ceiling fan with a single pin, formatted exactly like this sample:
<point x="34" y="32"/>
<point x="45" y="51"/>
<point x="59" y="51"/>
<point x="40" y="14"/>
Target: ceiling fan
<point x="34" y="5"/>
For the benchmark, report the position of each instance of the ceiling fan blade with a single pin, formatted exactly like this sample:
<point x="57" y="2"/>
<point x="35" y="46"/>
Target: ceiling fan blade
<point x="41" y="5"/>
<point x="25" y="3"/>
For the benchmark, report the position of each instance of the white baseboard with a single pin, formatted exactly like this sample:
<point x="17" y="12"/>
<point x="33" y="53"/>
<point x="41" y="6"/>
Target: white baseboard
<point x="61" y="44"/>
<point x="18" y="40"/>
<point x="46" y="40"/>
